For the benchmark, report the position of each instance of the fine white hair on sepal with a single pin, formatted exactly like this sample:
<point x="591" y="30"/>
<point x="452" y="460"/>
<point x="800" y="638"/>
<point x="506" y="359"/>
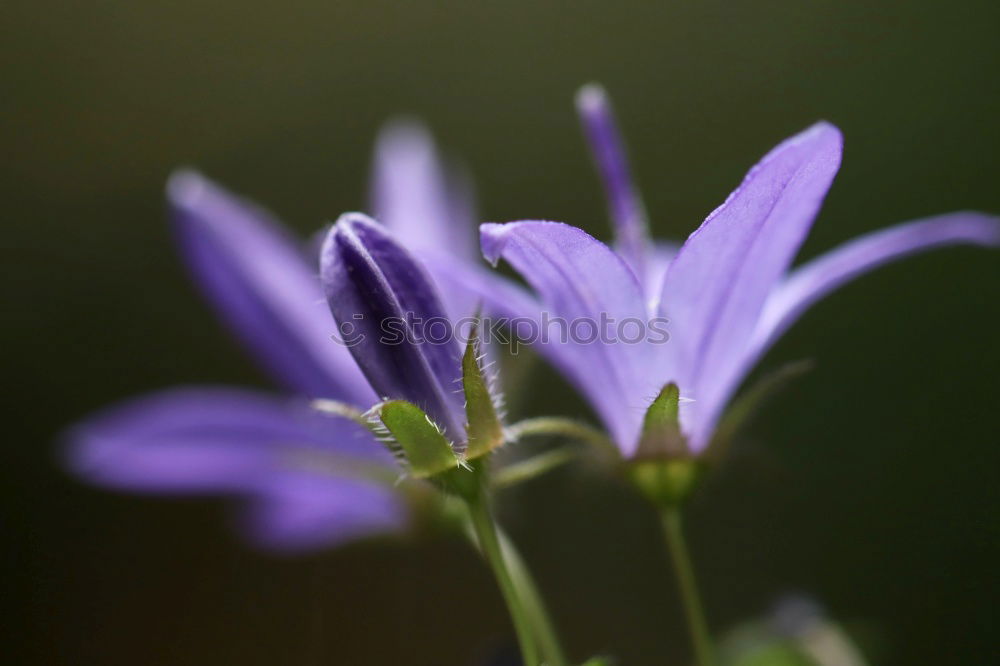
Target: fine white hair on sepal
<point x="382" y="434"/>
<point x="434" y="425"/>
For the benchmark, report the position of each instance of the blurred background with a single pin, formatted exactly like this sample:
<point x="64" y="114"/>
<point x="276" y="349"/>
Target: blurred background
<point x="871" y="486"/>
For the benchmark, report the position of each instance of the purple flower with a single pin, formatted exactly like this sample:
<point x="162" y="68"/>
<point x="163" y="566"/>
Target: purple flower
<point x="308" y="480"/>
<point x="727" y="292"/>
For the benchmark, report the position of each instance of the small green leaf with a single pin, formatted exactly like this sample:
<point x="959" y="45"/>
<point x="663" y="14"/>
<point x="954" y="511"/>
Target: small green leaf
<point x="484" y="429"/>
<point x="427" y="451"/>
<point x="749" y="402"/>
<point x="661" y="434"/>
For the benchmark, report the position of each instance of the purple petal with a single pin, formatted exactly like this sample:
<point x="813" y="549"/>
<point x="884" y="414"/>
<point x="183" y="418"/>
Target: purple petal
<point x="475" y="284"/>
<point x="257" y="278"/>
<point x="715" y="288"/>
<point x="811" y="282"/>
<point x="625" y="206"/>
<point x="226" y="441"/>
<point x="415" y="197"/>
<point x="402" y="339"/>
<point x="659" y="256"/>
<point x="208" y="440"/>
<point x="301" y="512"/>
<point x="581" y="280"/>
<point x="814" y="280"/>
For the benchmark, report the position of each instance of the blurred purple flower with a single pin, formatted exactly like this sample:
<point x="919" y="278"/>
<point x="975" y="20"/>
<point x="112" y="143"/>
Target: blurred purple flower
<point x="309" y="480"/>
<point x="727" y="292"/>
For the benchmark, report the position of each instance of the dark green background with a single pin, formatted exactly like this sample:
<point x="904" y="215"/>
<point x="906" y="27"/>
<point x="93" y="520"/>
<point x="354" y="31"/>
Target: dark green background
<point x="870" y="485"/>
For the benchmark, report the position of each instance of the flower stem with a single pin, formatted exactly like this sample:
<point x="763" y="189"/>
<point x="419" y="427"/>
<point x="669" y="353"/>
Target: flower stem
<point x="538" y="615"/>
<point x="552" y="425"/>
<point x="674" y="533"/>
<point x="489" y="542"/>
<point x="533" y="467"/>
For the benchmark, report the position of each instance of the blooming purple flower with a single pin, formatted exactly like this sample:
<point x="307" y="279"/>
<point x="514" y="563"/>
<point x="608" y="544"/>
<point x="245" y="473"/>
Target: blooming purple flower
<point x="727" y="292"/>
<point x="308" y="480"/>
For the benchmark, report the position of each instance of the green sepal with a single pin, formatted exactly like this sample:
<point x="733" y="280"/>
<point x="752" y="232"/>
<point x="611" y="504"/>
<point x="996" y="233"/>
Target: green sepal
<point x="666" y="482"/>
<point x="600" y="661"/>
<point x="747" y="404"/>
<point x="483" y="428"/>
<point x="661" y="432"/>
<point x="663" y="468"/>
<point x="428" y="453"/>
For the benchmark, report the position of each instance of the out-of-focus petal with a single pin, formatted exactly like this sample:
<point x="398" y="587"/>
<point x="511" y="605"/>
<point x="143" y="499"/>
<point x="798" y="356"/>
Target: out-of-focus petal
<point x="582" y="281"/>
<point x="716" y="286"/>
<point x="403" y="340"/>
<point x="295" y="512"/>
<point x="814" y="280"/>
<point x="209" y="440"/>
<point x="309" y="478"/>
<point x="475" y="285"/>
<point x="415" y="196"/>
<point x="256" y="276"/>
<point x="624" y="204"/>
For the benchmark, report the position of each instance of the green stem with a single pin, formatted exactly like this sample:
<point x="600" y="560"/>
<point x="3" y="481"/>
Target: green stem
<point x="700" y="637"/>
<point x="538" y="615"/>
<point x="534" y="466"/>
<point x="489" y="542"/>
<point x="551" y="425"/>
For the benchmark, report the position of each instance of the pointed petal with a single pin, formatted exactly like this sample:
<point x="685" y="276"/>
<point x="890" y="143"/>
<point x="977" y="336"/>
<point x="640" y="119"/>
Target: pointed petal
<point x="257" y="278"/>
<point x="715" y="288"/>
<point x="226" y="441"/>
<point x="404" y="344"/>
<point x="429" y="208"/>
<point x="207" y="441"/>
<point x="624" y="203"/>
<point x="811" y="282"/>
<point x="814" y="280"/>
<point x="414" y="195"/>
<point x="581" y="280"/>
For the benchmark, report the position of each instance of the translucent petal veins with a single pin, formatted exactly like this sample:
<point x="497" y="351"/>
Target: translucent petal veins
<point x="716" y="286"/>
<point x="579" y="279"/>
<point x="725" y="293"/>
